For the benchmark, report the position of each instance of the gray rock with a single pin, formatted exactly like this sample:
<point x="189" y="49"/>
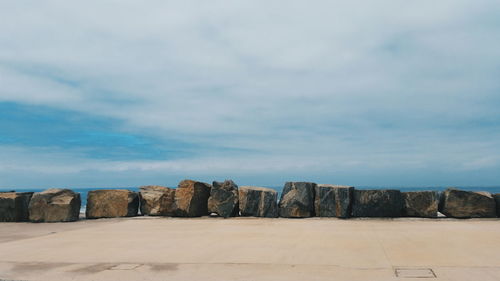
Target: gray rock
<point x="191" y="198"/>
<point x="377" y="203"/>
<point x="467" y="204"/>
<point x="497" y="200"/>
<point x="223" y="199"/>
<point x="54" y="205"/>
<point x="333" y="200"/>
<point x="297" y="200"/>
<point x="258" y="201"/>
<point x="420" y="204"/>
<point x="111" y="203"/>
<point x="157" y="200"/>
<point x="14" y="206"/>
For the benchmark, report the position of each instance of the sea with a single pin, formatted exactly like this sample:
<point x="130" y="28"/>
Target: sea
<point x="83" y="191"/>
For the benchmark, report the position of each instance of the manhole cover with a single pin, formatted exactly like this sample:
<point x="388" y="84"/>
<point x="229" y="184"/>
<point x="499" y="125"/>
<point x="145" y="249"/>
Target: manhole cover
<point x="414" y="273"/>
<point x="125" y="266"/>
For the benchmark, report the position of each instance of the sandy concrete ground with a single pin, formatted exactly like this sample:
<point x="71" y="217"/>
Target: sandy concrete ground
<point x="247" y="249"/>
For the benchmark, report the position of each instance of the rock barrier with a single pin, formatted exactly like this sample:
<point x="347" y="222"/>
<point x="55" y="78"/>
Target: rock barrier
<point x="377" y="203"/>
<point x="258" y="202"/>
<point x="157" y="200"/>
<point x="191" y="198"/>
<point x="297" y="200"/>
<point x="54" y="205"/>
<point x="420" y="204"/>
<point x="111" y="203"/>
<point x="467" y="204"/>
<point x="225" y="199"/>
<point x="14" y="206"/>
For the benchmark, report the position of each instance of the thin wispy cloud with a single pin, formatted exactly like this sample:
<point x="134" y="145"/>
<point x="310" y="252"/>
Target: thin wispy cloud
<point x="121" y="92"/>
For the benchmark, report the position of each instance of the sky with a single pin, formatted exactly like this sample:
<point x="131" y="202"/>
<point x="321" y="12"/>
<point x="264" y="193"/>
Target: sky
<point x="369" y="93"/>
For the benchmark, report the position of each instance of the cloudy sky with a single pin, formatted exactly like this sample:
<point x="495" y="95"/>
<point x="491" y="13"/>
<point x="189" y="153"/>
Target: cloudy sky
<point x="127" y="93"/>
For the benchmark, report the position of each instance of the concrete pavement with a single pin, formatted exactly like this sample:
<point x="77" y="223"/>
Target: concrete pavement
<point x="149" y="248"/>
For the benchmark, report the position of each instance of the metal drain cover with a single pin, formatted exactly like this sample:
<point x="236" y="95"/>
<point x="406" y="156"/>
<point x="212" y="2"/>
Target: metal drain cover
<point x="414" y="273"/>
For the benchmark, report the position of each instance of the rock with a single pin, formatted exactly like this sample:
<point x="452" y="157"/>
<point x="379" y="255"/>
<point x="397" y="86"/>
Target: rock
<point x="297" y="200"/>
<point x="157" y="200"/>
<point x="54" y="205"/>
<point x="497" y="200"/>
<point x="420" y="204"/>
<point x="191" y="198"/>
<point x="111" y="203"/>
<point x="467" y="204"/>
<point x="377" y="203"/>
<point x="223" y="199"/>
<point x="258" y="201"/>
<point x="332" y="200"/>
<point x="14" y="206"/>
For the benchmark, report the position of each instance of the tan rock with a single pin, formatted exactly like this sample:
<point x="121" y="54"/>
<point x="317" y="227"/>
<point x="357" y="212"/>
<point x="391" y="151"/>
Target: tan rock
<point x="157" y="200"/>
<point x="191" y="198"/>
<point x="54" y="205"/>
<point x="110" y="203"/>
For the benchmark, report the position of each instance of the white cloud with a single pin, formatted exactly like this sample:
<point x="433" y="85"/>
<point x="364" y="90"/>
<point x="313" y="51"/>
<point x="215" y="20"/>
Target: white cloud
<point x="377" y="85"/>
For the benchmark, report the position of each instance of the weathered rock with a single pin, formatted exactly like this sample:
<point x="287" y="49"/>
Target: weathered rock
<point x="191" y="198"/>
<point x="54" y="205"/>
<point x="467" y="204"/>
<point x="258" y="201"/>
<point x="223" y="199"/>
<point x="14" y="206"/>
<point x="420" y="204"/>
<point x="377" y="203"/>
<point x="497" y="200"/>
<point x="157" y="200"/>
<point x="297" y="200"/>
<point x="333" y="200"/>
<point x="111" y="203"/>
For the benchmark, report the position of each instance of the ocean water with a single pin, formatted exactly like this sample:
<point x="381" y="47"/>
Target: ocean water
<point x="83" y="191"/>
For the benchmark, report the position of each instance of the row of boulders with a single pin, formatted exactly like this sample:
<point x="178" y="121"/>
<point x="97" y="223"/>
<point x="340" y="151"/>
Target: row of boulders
<point x="226" y="199"/>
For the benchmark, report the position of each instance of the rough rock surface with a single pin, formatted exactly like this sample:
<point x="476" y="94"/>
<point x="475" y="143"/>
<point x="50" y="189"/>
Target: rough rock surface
<point x="420" y="204"/>
<point x="157" y="200"/>
<point x="14" y="206"/>
<point x="497" y="200"/>
<point x="111" y="203"/>
<point x="297" y="200"/>
<point x="333" y="200"/>
<point x="258" y="201"/>
<point x="54" y="205"/>
<point x="191" y="198"/>
<point x="467" y="204"/>
<point x="223" y="199"/>
<point x="377" y="203"/>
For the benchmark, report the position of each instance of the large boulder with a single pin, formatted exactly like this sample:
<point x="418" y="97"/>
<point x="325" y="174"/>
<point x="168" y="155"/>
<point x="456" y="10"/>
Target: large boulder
<point x="54" y="205"/>
<point x="14" y="206"/>
<point x="191" y="198"/>
<point x="258" y="201"/>
<point x="420" y="204"/>
<point x="332" y="200"/>
<point x="223" y="199"/>
<point x="467" y="204"/>
<point x="497" y="200"/>
<point x="157" y="200"/>
<point x="377" y="203"/>
<point x="111" y="203"/>
<point x="297" y="200"/>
